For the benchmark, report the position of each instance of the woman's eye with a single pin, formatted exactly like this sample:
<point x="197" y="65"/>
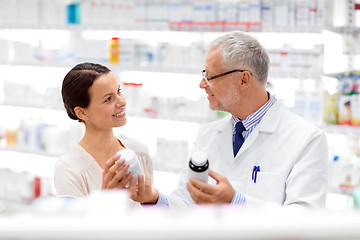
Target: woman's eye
<point x="108" y="99"/>
<point x="119" y="91"/>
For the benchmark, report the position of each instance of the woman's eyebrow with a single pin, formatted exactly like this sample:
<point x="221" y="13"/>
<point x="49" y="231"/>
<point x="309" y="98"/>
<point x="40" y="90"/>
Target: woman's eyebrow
<point x="106" y="95"/>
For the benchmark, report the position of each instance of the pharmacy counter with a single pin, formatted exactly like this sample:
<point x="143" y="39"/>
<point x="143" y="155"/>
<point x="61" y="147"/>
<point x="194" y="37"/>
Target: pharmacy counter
<point x="92" y="219"/>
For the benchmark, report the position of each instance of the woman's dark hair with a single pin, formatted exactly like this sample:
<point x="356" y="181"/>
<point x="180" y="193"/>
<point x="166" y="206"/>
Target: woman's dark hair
<point x="76" y="84"/>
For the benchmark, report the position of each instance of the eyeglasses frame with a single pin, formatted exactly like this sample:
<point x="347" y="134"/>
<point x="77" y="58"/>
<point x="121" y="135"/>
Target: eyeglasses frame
<point x="219" y="75"/>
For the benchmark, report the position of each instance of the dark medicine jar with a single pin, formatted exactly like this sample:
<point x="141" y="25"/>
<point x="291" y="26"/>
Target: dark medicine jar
<point x="199" y="166"/>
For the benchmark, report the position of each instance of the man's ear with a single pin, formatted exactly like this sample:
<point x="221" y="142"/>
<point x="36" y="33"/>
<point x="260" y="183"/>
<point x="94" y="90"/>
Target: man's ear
<point x="80" y="113"/>
<point x="246" y="79"/>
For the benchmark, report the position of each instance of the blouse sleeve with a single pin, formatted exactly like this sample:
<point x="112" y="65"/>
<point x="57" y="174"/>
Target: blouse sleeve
<point x="67" y="182"/>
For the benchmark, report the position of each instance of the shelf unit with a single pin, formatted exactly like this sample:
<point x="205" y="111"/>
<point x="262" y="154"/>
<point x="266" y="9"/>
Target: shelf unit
<point x="203" y="37"/>
<point x="161" y="31"/>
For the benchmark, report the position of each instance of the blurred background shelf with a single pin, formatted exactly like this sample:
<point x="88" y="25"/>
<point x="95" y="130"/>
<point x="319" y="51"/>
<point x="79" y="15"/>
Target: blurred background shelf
<point x="312" y="44"/>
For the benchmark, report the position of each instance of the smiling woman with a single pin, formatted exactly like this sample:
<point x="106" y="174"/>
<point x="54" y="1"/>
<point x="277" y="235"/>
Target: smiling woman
<point x="91" y="95"/>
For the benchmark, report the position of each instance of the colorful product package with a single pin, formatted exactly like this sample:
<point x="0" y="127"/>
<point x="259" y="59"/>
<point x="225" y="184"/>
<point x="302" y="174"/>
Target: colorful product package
<point x="344" y="109"/>
<point x="355" y="110"/>
<point x="330" y="108"/>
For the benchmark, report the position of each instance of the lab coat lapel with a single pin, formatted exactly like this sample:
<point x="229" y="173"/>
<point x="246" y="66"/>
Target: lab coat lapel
<point x="224" y="138"/>
<point x="267" y="124"/>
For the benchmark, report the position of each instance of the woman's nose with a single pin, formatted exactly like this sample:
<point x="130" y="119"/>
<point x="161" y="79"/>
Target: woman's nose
<point x="120" y="101"/>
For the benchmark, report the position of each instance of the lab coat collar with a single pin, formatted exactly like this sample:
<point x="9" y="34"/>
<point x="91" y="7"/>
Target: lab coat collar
<point x="271" y="119"/>
<point x="224" y="137"/>
<point x="268" y="123"/>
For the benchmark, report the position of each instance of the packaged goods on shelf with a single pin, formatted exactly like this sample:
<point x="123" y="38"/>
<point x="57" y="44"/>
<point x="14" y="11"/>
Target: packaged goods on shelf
<point x="134" y="94"/>
<point x="321" y="13"/>
<point x="288" y="61"/>
<point x="267" y="15"/>
<point x="28" y="13"/>
<point x="36" y="134"/>
<point x="142" y="103"/>
<point x="355" y="110"/>
<point x="114" y="50"/>
<point x="309" y="102"/>
<point x="304" y="12"/>
<point x="356" y="197"/>
<point x="73" y="12"/>
<point x="31" y="95"/>
<point x="357" y="13"/>
<point x="23" y="186"/>
<point x="8" y="13"/>
<point x="11" y="136"/>
<point x="330" y="108"/>
<point x="178" y="56"/>
<point x="5" y="50"/>
<point x="344" y="108"/>
<point x="89" y="50"/>
<point x="156" y="11"/>
<point x="343" y="176"/>
<point x="346" y="100"/>
<point x="178" y="15"/>
<point x="227" y="11"/>
<point x="51" y="13"/>
<point x="347" y="83"/>
<point x="344" y="171"/>
<point x="281" y="15"/>
<point x="3" y="136"/>
<point x="315" y="99"/>
<point x="32" y="13"/>
<point x="172" y="155"/>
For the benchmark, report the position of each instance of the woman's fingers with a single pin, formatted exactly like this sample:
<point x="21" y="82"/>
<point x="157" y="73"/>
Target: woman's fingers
<point x="119" y="165"/>
<point x="110" y="162"/>
<point x="124" y="181"/>
<point x="141" y="184"/>
<point x="120" y="174"/>
<point x="110" y="172"/>
<point x="133" y="189"/>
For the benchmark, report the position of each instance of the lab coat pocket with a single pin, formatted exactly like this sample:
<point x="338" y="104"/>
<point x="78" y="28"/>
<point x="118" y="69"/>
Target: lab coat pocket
<point x="269" y="186"/>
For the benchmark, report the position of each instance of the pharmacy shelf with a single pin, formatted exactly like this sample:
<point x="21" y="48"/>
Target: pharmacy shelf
<point x="342" y="129"/>
<point x="163" y="69"/>
<point x="345" y="30"/>
<point x="46" y="111"/>
<point x="191" y="27"/>
<point x="24" y="152"/>
<point x="22" y="111"/>
<point x="114" y="68"/>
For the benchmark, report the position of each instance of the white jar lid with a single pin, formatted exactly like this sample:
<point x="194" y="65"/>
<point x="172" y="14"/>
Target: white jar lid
<point x="128" y="155"/>
<point x="198" y="158"/>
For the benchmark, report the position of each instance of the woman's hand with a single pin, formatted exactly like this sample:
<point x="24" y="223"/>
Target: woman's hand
<point x="143" y="192"/>
<point x="114" y="173"/>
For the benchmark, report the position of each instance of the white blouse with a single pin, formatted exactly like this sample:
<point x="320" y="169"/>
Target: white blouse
<point x="77" y="173"/>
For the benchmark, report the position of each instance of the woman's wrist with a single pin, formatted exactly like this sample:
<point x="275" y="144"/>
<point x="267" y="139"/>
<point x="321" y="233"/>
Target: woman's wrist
<point x="155" y="197"/>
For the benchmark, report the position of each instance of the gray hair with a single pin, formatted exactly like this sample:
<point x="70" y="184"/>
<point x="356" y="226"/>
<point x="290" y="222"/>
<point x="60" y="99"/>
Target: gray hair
<point x="242" y="51"/>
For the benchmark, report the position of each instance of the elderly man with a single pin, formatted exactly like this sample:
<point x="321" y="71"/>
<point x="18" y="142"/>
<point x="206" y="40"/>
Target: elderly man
<point x="260" y="153"/>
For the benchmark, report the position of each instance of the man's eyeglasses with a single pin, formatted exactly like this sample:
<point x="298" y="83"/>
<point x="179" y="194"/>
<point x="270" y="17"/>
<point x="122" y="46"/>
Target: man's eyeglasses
<point x="219" y="75"/>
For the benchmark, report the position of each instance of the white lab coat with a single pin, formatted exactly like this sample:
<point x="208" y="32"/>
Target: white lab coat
<point x="292" y="155"/>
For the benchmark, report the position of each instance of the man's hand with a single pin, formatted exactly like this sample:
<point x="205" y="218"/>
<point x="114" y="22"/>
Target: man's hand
<point x="143" y="192"/>
<point x="201" y="192"/>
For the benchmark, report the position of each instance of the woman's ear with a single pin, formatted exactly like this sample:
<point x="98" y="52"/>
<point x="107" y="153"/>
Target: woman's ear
<point x="80" y="113"/>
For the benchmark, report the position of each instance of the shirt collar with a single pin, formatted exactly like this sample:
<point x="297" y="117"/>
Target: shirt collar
<point x="253" y="119"/>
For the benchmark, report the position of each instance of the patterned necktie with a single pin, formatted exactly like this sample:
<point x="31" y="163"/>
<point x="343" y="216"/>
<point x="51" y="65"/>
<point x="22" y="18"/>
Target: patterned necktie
<point x="238" y="137"/>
